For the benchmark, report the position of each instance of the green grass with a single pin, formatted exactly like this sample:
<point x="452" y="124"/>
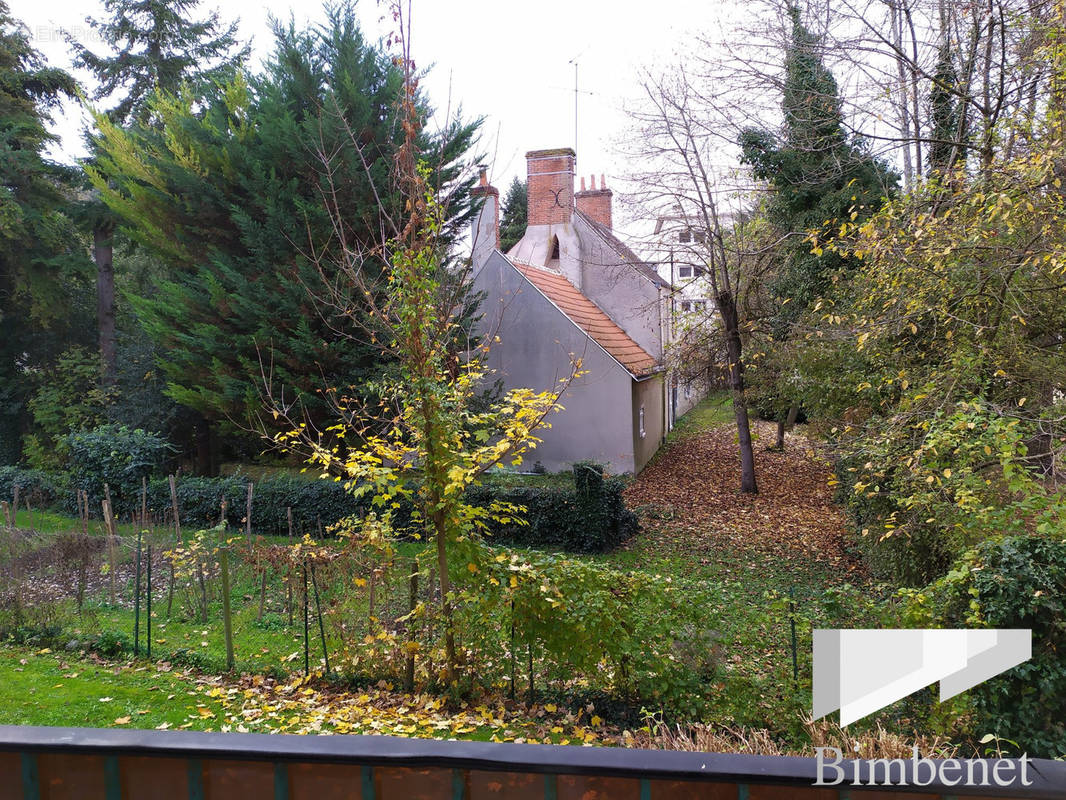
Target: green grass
<point x="712" y="411"/>
<point x="53" y="522"/>
<point x="39" y="687"/>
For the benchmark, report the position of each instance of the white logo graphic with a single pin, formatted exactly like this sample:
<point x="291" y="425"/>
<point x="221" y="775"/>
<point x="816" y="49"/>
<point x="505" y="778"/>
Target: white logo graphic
<point x="862" y="671"/>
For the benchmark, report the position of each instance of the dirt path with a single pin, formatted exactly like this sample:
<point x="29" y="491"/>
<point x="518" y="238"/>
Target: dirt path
<point x="693" y="486"/>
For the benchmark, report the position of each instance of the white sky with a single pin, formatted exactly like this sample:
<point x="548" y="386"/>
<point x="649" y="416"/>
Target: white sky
<point x="507" y="61"/>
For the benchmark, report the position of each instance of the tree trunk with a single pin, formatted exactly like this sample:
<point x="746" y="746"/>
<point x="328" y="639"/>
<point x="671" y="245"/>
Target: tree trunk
<point x="785" y="423"/>
<point x="727" y="308"/>
<point x="105" y="303"/>
<point x="440" y="532"/>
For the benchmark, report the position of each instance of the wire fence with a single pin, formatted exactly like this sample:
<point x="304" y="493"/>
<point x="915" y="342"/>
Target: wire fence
<point x="215" y="599"/>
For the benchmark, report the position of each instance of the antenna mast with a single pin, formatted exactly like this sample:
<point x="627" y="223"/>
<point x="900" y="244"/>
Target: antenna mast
<point x="574" y="62"/>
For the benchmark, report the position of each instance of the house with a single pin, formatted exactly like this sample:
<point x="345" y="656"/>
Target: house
<point x="571" y="292"/>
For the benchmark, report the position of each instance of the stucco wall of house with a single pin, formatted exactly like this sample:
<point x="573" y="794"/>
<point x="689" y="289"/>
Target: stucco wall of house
<point x="536" y="344"/>
<point x="647" y="394"/>
<point x="628" y="297"/>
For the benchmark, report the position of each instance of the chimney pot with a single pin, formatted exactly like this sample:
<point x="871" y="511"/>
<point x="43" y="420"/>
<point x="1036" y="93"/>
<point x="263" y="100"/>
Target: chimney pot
<point x="582" y="184"/>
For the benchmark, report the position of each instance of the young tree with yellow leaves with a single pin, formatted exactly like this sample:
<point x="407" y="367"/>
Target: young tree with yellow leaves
<point x="432" y="434"/>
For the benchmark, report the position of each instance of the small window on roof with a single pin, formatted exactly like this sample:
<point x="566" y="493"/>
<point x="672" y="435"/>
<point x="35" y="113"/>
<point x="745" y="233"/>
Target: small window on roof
<point x="555" y="249"/>
<point x="684" y="272"/>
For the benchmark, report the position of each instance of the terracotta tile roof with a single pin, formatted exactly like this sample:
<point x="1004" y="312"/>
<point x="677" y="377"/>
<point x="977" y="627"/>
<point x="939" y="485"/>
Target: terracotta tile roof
<point x="590" y="318"/>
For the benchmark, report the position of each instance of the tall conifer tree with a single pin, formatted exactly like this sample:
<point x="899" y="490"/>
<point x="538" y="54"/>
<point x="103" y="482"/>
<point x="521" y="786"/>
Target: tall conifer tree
<point x="41" y="266"/>
<point x="232" y="192"/>
<point x="515" y="215"/>
<point x="819" y="176"/>
<point x="150" y="46"/>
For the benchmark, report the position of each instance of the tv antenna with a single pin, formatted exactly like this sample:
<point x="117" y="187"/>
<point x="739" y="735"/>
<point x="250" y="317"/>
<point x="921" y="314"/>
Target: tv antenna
<point x="576" y="93"/>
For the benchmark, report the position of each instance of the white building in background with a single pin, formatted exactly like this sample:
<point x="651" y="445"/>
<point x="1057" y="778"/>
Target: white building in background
<point x="681" y="257"/>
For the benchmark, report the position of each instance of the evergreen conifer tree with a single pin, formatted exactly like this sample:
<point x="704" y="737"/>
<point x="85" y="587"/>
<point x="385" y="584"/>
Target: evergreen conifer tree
<point x="946" y="149"/>
<point x="232" y="192"/>
<point x="819" y="176"/>
<point x="515" y="215"/>
<point x="152" y="46"/>
<point x="42" y="268"/>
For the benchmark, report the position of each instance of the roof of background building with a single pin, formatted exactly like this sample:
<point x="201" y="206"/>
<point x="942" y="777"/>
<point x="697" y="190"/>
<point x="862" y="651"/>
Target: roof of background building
<point x="590" y="318"/>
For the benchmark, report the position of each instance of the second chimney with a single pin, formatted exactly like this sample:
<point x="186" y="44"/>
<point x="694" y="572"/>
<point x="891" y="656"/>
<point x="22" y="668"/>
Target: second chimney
<point x="485" y="228"/>
<point x="595" y="203"/>
<point x="550" y="186"/>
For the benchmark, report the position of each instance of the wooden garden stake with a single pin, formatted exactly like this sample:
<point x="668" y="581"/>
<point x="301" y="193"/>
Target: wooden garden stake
<point x="318" y="610"/>
<point x="227" y="619"/>
<point x="137" y="601"/>
<point x="144" y="501"/>
<point x="248" y="520"/>
<point x="148" y="599"/>
<point x="222" y="515"/>
<point x="7" y="514"/>
<point x="109" y="524"/>
<point x="174" y="507"/>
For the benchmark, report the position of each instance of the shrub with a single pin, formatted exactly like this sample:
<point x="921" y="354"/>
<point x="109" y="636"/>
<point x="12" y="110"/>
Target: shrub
<point x="926" y="492"/>
<point x="117" y="456"/>
<point x="593" y="519"/>
<point x="1014" y="582"/>
<point x="641" y="638"/>
<point x="590" y="518"/>
<point x="41" y="489"/>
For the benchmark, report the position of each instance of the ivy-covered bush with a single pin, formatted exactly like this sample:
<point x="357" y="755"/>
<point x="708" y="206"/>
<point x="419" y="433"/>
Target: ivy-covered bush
<point x="117" y="456"/>
<point x="1013" y="582"/>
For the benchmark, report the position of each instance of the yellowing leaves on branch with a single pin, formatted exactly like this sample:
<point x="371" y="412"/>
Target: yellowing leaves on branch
<point x="962" y="291"/>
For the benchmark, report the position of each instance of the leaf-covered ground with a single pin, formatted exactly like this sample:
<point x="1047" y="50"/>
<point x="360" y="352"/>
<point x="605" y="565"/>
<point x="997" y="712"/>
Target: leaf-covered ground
<point x="43" y="687"/>
<point x="691" y="492"/>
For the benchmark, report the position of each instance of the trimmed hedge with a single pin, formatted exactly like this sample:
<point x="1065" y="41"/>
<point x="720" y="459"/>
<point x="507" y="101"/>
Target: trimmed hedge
<point x="592" y="517"/>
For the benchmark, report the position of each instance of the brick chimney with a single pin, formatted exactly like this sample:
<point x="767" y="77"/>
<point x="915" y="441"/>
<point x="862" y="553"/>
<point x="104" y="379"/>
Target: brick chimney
<point x="485" y="229"/>
<point x="550" y="185"/>
<point x="595" y="203"/>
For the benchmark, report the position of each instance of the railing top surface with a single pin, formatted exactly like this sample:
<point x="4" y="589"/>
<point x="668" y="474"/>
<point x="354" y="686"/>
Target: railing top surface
<point x="1049" y="777"/>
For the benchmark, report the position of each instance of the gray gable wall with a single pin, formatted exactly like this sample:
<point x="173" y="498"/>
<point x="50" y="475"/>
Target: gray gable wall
<point x="537" y="344"/>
